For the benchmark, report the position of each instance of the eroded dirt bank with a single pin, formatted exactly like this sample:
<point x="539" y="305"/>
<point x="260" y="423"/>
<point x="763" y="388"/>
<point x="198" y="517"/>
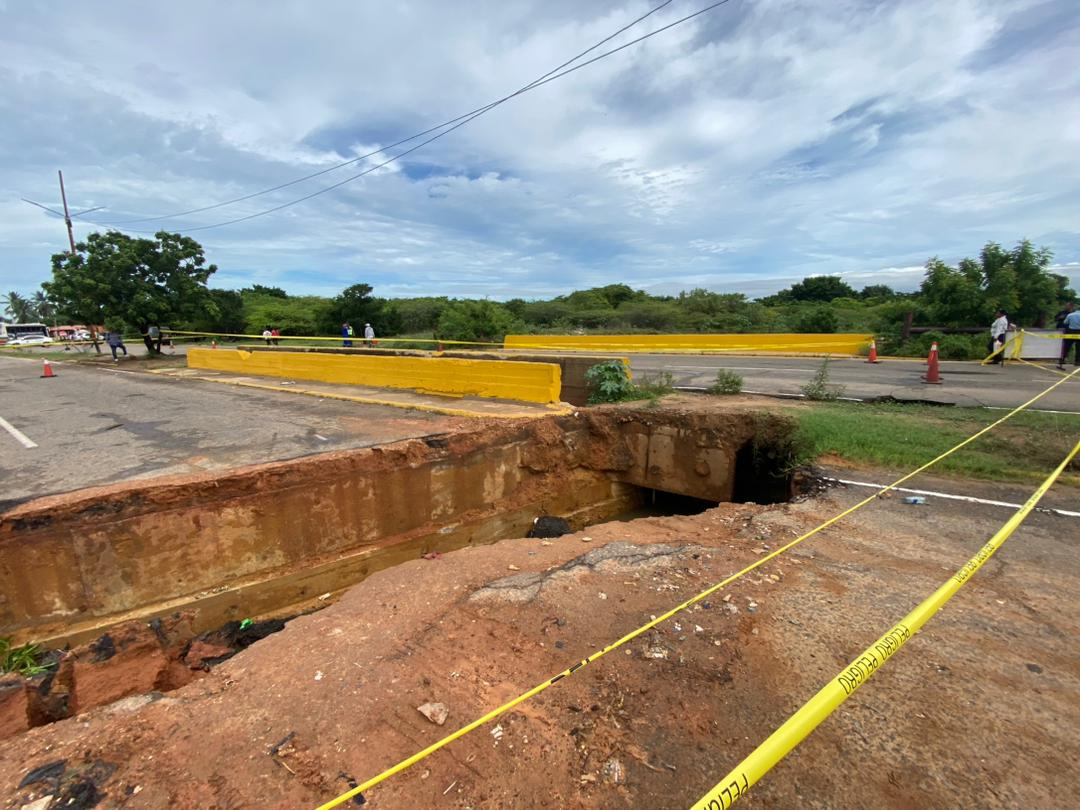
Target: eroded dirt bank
<point x="979" y="710"/>
<point x="266" y="538"/>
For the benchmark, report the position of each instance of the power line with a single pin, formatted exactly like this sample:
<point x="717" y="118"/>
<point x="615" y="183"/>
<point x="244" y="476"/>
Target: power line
<point x="477" y="111"/>
<point x="420" y="145"/>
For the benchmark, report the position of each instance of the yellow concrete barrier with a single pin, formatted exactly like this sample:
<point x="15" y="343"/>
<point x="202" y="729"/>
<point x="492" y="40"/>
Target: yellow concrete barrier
<point x="502" y="379"/>
<point x="845" y="343"/>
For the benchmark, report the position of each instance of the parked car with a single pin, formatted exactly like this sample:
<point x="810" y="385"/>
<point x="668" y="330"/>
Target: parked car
<point x="30" y="340"/>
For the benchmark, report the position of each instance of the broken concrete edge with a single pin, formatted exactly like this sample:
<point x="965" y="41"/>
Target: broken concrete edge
<point x="560" y="409"/>
<point x="526" y="586"/>
<point x="132" y="664"/>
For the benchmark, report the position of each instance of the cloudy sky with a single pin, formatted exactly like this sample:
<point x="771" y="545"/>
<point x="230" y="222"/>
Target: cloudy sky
<point x="759" y="143"/>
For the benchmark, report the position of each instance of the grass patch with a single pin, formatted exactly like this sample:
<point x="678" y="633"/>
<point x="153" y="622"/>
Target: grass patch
<point x="1025" y="448"/>
<point x="25" y="660"/>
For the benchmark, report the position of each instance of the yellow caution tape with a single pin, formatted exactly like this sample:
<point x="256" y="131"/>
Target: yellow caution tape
<point x="540" y="687"/>
<point x="733" y="786"/>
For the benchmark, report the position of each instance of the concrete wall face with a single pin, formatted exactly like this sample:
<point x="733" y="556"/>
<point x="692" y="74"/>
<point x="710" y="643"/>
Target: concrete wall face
<point x="264" y="538"/>
<point x="526" y="382"/>
<point x="789" y="343"/>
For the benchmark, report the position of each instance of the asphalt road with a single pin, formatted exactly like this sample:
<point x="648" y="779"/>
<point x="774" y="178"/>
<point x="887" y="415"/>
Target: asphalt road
<point x="964" y="383"/>
<point x="98" y="425"/>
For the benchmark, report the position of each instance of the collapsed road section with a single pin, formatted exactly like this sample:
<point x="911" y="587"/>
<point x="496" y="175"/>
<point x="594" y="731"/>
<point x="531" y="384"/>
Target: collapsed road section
<point x="274" y="538"/>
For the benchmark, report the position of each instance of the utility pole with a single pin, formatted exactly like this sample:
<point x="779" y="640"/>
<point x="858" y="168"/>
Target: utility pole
<point x="67" y="216"/>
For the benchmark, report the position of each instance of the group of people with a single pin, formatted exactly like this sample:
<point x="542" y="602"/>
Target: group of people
<point x="347" y="335"/>
<point x="271" y="335"/>
<point x="1067" y="320"/>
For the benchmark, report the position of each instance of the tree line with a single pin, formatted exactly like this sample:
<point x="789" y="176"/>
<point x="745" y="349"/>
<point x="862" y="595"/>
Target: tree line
<point x="129" y="283"/>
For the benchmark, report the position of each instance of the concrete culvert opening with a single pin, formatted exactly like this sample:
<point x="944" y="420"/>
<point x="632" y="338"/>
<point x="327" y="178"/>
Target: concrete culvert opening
<point x="764" y="473"/>
<point x="204" y="553"/>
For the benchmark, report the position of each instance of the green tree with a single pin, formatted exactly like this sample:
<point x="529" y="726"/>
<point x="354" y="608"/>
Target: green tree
<point x="819" y="319"/>
<point x="226" y="316"/>
<point x="1039" y="290"/>
<point x="418" y="314"/>
<point x="356" y="306"/>
<point x="484" y="321"/>
<point x="821" y="289"/>
<point x="951" y="296"/>
<point x="18" y="307"/>
<point x="1016" y="280"/>
<point x="619" y="294"/>
<point x="880" y="291"/>
<point x="44" y="308"/>
<point x="295" y="315"/>
<point x="259" y="289"/>
<point x="143" y="283"/>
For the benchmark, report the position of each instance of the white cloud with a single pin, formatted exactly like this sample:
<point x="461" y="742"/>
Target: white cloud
<point x="760" y="143"/>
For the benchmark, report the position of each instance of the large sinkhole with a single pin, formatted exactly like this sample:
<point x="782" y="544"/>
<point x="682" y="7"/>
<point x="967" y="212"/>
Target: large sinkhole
<point x="186" y="571"/>
<point x="273" y="539"/>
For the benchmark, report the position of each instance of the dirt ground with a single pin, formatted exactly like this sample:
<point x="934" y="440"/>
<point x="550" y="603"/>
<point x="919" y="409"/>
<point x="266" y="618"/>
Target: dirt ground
<point x="979" y="710"/>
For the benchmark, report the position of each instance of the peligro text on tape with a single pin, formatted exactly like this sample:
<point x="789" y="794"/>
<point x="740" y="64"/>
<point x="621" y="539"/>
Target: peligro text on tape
<point x="491" y="715"/>
<point x="799" y="726"/>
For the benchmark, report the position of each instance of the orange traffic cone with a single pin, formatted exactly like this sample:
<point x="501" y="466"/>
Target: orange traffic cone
<point x="46" y="371"/>
<point x="933" y="371"/>
<point x="873" y="353"/>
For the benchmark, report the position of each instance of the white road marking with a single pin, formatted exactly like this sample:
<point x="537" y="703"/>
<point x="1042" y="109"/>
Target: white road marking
<point x="19" y="436"/>
<point x="947" y="496"/>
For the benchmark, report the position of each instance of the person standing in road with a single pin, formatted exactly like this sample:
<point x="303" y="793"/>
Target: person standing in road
<point x="997" y="336"/>
<point x="1072" y="327"/>
<point x="1059" y="322"/>
<point x="115" y="342"/>
<point x="346" y="334"/>
<point x="369" y="335"/>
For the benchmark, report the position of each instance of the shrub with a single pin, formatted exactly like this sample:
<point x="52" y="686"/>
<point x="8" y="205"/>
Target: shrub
<point x="727" y="382"/>
<point x="819" y="388"/>
<point x="476" y="321"/>
<point x="609" y="382"/>
<point x="656" y="385"/>
<point x="818" y="320"/>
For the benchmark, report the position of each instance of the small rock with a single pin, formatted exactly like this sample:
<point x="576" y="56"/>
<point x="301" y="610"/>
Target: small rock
<point x="546" y="543"/>
<point x="731" y="608"/>
<point x="40" y="804"/>
<point x="698" y="628"/>
<point x="588" y="777"/>
<point x="324" y="596"/>
<point x="602" y="595"/>
<point x="497" y="733"/>
<point x="587" y="540"/>
<point x="1035" y="668"/>
<point x="613" y="772"/>
<point x="435" y="712"/>
<point x="318" y="675"/>
<point x="513" y="568"/>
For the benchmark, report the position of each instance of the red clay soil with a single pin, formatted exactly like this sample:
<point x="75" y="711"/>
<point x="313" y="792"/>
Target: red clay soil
<point x="981" y="709"/>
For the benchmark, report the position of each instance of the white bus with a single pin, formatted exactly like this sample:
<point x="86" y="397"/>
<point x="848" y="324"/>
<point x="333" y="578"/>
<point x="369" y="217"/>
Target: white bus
<point x="24" y="333"/>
